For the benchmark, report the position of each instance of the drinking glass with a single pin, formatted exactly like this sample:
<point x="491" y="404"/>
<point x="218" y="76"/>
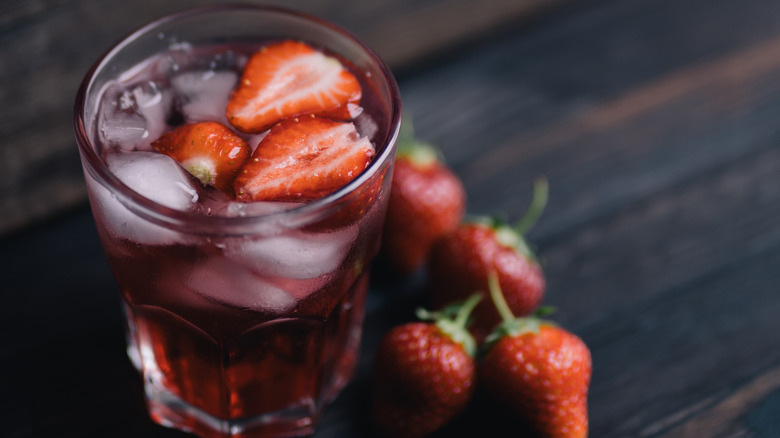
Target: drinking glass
<point x="244" y="321"/>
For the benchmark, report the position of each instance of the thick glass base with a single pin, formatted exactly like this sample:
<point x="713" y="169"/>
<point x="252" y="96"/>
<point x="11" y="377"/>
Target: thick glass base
<point x="168" y="410"/>
<point x="272" y="380"/>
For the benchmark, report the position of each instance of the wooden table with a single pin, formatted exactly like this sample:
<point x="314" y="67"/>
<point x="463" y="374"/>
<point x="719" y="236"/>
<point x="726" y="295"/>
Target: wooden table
<point x="657" y="123"/>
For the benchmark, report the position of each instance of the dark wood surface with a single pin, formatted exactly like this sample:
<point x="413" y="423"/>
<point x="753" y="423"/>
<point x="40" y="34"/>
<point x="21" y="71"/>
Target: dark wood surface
<point x="657" y="123"/>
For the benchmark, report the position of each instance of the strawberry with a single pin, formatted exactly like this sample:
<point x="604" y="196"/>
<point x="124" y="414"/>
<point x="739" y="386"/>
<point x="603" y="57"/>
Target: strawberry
<point x="369" y="198"/>
<point x="424" y="373"/>
<point x="302" y="159"/>
<point x="289" y="79"/>
<point x="461" y="261"/>
<point x="210" y="151"/>
<point x="426" y="201"/>
<point x="539" y="371"/>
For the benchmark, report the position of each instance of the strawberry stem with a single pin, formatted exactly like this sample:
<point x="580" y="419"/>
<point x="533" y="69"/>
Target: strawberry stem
<point x="420" y="153"/>
<point x="461" y="318"/>
<point x="510" y="325"/>
<point x="535" y="209"/>
<point x="453" y="319"/>
<point x="498" y="298"/>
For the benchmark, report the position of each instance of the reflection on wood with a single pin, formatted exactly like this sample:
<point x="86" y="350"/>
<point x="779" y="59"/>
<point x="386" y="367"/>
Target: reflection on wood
<point x="726" y="417"/>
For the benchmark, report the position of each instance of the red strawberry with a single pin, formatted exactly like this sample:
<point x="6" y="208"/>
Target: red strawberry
<point x="426" y="201"/>
<point x="303" y="159"/>
<point x="461" y="261"/>
<point x="210" y="151"/>
<point x="368" y="199"/>
<point x="289" y="79"/>
<point x="539" y="371"/>
<point x="424" y="373"/>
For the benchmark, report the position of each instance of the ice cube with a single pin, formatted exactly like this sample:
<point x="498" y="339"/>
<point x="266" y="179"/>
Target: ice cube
<point x="122" y="129"/>
<point x="243" y="209"/>
<point x="215" y="203"/>
<point x="365" y="125"/>
<point x="154" y="104"/>
<point x="132" y="118"/>
<point x="295" y="254"/>
<point x="255" y="140"/>
<point x="155" y="176"/>
<point x="223" y="280"/>
<point x="204" y="94"/>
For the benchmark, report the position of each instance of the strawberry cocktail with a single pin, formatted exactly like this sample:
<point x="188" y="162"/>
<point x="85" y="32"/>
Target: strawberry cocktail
<point x="237" y="161"/>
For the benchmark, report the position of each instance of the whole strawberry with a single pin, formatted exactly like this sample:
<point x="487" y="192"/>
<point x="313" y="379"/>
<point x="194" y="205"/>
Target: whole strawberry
<point x="538" y="371"/>
<point x="461" y="261"/>
<point x="424" y="373"/>
<point x="426" y="201"/>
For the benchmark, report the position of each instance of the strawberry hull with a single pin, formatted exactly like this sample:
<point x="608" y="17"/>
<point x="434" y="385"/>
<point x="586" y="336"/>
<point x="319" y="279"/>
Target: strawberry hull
<point x="243" y="318"/>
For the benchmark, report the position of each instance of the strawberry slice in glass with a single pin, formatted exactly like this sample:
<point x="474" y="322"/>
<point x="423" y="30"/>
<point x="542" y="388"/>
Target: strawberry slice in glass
<point x="289" y="79"/>
<point x="303" y="158"/>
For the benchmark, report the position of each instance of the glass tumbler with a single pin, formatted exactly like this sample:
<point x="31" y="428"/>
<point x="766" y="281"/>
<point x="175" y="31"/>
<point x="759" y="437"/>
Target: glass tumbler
<point x="243" y="319"/>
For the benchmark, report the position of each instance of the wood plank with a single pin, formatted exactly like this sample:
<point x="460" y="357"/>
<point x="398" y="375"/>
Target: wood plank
<point x="681" y="299"/>
<point x="702" y="125"/>
<point x="727" y="417"/>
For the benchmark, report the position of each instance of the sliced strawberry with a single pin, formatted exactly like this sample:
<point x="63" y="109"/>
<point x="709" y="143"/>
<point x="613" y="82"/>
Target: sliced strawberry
<point x="303" y="159"/>
<point x="289" y="79"/>
<point x="210" y="151"/>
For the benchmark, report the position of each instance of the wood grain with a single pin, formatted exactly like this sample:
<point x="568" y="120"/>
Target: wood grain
<point x="658" y="247"/>
<point x="730" y="411"/>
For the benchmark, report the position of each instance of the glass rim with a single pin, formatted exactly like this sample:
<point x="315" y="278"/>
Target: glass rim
<point x="167" y="216"/>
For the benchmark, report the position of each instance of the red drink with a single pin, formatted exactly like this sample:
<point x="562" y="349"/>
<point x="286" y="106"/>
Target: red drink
<point x="243" y="318"/>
